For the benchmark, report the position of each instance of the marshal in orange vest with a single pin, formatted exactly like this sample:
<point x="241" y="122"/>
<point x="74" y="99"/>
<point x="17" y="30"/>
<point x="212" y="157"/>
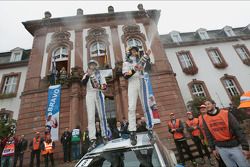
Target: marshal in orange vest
<point x="194" y="123"/>
<point x="177" y="135"/>
<point x="48" y="148"/>
<point x="218" y="126"/>
<point x="36" y="143"/>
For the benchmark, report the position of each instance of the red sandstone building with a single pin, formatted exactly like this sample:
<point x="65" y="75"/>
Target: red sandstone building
<point x="74" y="41"/>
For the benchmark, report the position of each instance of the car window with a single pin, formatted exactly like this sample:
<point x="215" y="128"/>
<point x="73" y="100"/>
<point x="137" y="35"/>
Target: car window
<point x="143" y="157"/>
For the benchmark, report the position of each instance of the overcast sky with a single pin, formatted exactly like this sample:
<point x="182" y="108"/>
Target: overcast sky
<point x="183" y="16"/>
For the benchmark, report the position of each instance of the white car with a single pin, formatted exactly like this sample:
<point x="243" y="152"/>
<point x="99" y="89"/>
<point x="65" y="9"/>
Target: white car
<point x="120" y="153"/>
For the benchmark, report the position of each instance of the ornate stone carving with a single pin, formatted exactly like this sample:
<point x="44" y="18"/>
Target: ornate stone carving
<point x="133" y="31"/>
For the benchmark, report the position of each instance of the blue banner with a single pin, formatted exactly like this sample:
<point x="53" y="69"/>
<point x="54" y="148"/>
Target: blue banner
<point x="53" y="110"/>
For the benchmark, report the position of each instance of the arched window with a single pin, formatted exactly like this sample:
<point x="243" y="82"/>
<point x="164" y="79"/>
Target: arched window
<point x="135" y="42"/>
<point x="61" y="54"/>
<point x="98" y="49"/>
<point x="60" y="58"/>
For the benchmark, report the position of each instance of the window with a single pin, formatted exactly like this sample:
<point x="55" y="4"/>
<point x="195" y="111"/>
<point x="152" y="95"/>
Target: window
<point x="229" y="31"/>
<point x="61" y="58"/>
<point x="16" y="56"/>
<point x="61" y="54"/>
<point x="135" y="42"/>
<point x="243" y="53"/>
<point x="176" y="36"/>
<point x="198" y="89"/>
<point x="231" y="85"/>
<point x="216" y="57"/>
<point x="203" y="35"/>
<point x="186" y="62"/>
<point x="9" y="85"/>
<point x="98" y="49"/>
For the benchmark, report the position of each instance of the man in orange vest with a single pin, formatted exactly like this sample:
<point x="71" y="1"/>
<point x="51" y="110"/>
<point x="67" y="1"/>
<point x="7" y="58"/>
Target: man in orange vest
<point x="203" y="111"/>
<point x="225" y="136"/>
<point x="35" y="145"/>
<point x="8" y="153"/>
<point x="176" y="127"/>
<point x="47" y="148"/>
<point x="192" y="125"/>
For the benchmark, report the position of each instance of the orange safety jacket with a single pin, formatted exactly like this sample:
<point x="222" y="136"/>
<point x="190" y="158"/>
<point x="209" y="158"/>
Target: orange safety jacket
<point x="48" y="148"/>
<point x="36" y="143"/>
<point x="177" y="135"/>
<point x="194" y="123"/>
<point x="9" y="150"/>
<point x="218" y="126"/>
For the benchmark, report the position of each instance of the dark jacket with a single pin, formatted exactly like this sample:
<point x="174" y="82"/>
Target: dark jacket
<point x="66" y="138"/>
<point x="21" y="146"/>
<point x="116" y="133"/>
<point x="234" y="128"/>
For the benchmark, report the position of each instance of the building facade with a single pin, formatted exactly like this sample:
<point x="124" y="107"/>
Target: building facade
<point x="13" y="69"/>
<point x="213" y="63"/>
<point x="71" y="42"/>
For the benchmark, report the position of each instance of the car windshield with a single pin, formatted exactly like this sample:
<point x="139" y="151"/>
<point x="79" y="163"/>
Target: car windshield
<point x="137" y="157"/>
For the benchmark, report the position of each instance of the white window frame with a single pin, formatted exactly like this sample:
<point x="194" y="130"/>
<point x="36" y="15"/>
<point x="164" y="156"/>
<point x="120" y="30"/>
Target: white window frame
<point x="196" y="92"/>
<point x="215" y="56"/>
<point x="135" y="42"/>
<point x="231" y="86"/>
<point x="176" y="37"/>
<point x="98" y="49"/>
<point x="11" y="83"/>
<point x="14" y="54"/>
<point x="229" y="31"/>
<point x="241" y="50"/>
<point x="203" y="35"/>
<point x="185" y="59"/>
<point x="60" y="57"/>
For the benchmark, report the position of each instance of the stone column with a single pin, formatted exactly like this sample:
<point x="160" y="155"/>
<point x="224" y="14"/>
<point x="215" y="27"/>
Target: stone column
<point x="78" y="48"/>
<point x="75" y="99"/>
<point x="36" y="60"/>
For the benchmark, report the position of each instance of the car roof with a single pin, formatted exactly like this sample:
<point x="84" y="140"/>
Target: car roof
<point x="117" y="144"/>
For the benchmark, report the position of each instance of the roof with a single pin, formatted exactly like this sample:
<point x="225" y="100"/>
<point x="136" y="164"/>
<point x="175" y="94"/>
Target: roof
<point x="218" y="35"/>
<point x="81" y="20"/>
<point x="5" y="59"/>
<point x="117" y="144"/>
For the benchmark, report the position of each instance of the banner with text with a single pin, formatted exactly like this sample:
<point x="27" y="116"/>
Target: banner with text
<point x="53" y="110"/>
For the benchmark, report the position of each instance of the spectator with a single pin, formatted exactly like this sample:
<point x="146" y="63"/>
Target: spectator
<point x="203" y="111"/>
<point x="225" y="136"/>
<point x="193" y="128"/>
<point x="75" y="143"/>
<point x="35" y="147"/>
<point x="176" y="128"/>
<point x="85" y="141"/>
<point x="235" y="112"/>
<point x="65" y="141"/>
<point x="21" y="146"/>
<point x="46" y="132"/>
<point x="140" y="126"/>
<point x="8" y="153"/>
<point x="47" y="148"/>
